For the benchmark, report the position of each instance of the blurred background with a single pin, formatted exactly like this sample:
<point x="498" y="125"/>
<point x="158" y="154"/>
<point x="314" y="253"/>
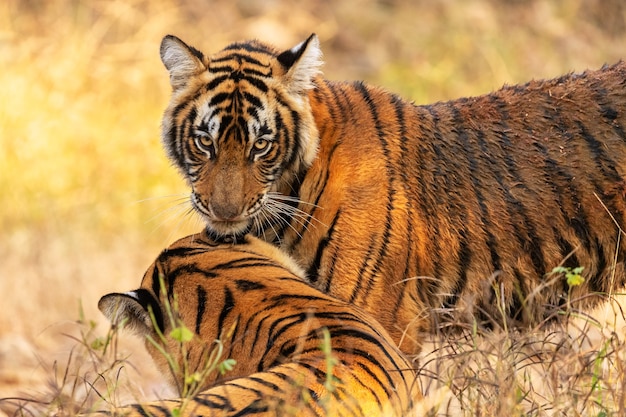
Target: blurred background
<point x="87" y="197"/>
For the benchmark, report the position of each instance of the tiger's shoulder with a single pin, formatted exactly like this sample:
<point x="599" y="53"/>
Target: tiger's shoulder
<point x="293" y="346"/>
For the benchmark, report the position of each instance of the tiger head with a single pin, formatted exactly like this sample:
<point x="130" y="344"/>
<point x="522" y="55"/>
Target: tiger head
<point x="180" y="306"/>
<point x="239" y="126"/>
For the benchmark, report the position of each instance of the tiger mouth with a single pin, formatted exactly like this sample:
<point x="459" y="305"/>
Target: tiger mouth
<point x="226" y="238"/>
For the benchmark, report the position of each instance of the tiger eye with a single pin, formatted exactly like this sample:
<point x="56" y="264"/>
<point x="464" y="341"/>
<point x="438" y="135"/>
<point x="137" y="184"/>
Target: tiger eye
<point x="205" y="141"/>
<point x="261" y="144"/>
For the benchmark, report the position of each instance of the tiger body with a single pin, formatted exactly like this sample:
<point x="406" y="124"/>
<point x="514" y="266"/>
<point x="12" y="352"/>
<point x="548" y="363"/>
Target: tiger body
<point x="455" y="210"/>
<point x="252" y="298"/>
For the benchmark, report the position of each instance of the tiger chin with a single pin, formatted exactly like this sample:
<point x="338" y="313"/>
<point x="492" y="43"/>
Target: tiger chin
<point x="422" y="215"/>
<point x="254" y="300"/>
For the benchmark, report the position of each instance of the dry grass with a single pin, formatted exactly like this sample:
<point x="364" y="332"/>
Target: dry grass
<point x="571" y="369"/>
<point x="88" y="198"/>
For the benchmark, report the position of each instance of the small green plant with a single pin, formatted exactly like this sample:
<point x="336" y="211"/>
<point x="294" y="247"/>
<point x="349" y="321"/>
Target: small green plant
<point x="573" y="275"/>
<point x="331" y="361"/>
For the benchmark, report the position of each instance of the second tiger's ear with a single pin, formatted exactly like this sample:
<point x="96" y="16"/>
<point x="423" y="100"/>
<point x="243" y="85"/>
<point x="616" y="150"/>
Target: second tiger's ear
<point x="181" y="60"/>
<point x="302" y="63"/>
<point x="133" y="311"/>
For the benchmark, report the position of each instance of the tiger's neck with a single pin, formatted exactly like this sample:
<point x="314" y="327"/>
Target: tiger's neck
<point x="288" y="227"/>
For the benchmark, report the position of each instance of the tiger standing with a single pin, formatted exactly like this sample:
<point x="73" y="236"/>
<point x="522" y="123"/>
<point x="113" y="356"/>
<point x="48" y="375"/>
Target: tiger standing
<point x="417" y="214"/>
<point x="252" y="298"/>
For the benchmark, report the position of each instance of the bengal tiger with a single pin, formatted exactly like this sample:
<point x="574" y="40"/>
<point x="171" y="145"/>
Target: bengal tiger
<point x="456" y="209"/>
<point x="253" y="299"/>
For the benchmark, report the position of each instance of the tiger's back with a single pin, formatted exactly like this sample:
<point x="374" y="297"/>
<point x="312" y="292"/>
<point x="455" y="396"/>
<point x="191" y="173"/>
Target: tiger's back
<point x="416" y="213"/>
<point x="472" y="197"/>
<point x="272" y="323"/>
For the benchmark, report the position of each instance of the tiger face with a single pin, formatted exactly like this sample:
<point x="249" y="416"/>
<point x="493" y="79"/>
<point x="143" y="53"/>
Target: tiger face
<point x="239" y="125"/>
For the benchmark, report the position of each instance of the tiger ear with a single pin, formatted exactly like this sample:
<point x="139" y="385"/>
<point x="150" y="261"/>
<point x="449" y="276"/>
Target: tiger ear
<point x="133" y="311"/>
<point x="302" y="63"/>
<point x="181" y="60"/>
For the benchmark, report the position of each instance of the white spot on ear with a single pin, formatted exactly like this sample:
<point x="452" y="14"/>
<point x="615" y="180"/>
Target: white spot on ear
<point x="301" y="74"/>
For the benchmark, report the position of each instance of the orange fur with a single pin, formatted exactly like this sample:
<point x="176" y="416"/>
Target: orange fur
<point x="252" y="298"/>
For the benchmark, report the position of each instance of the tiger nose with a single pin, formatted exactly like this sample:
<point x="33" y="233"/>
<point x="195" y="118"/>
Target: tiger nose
<point x="226" y="211"/>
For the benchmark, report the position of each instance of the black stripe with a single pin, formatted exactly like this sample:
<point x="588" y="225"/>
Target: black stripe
<point x="184" y="270"/>
<point x="388" y="225"/>
<point x="464" y="259"/>
<point x="247" y="262"/>
<point x="258" y="84"/>
<point x="604" y="163"/>
<point x="567" y="250"/>
<point x="292" y="137"/>
<point x="314" y="370"/>
<point x="527" y="235"/>
<point x="565" y="190"/>
<point x="407" y="180"/>
<point x="285" y="298"/>
<point x="612" y="117"/>
<point x="247" y="285"/>
<point x="266" y="384"/>
<point x="217" y="69"/>
<point x="214" y="83"/>
<point x="202" y="298"/>
<point x="277" y="328"/>
<point x="478" y="186"/>
<point x="258" y="336"/>
<point x="440" y="182"/>
<point x="320" y="187"/>
<point x="607" y="168"/>
<point x="426" y="187"/>
<point x="518" y="302"/>
<point x="283" y="377"/>
<point x="229" y="304"/>
<point x="252" y="99"/>
<point x="364" y="265"/>
<point x="181" y="252"/>
<point x="341" y="331"/>
<point x="366" y="385"/>
<point x="214" y="401"/>
<point x="599" y="281"/>
<point x="148" y="302"/>
<point x="240" y="57"/>
<point x="149" y="410"/>
<point x="156" y="280"/>
<point x="313" y="269"/>
<point x="218" y="99"/>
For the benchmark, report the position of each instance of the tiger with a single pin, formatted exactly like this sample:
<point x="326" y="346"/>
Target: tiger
<point x="429" y="217"/>
<point x="253" y="298"/>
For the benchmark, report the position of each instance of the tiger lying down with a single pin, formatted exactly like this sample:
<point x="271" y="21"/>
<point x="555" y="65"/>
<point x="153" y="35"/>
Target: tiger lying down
<point x="253" y="299"/>
<point x="424" y="216"/>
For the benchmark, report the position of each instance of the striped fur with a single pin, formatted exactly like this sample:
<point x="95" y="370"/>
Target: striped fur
<point x="418" y="214"/>
<point x="252" y="297"/>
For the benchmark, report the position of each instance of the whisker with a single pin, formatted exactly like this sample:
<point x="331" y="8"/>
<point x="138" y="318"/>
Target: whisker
<point x="292" y="211"/>
<point x="189" y="214"/>
<point x="276" y="209"/>
<point x="278" y="196"/>
<point x="266" y="218"/>
<point x="295" y="217"/>
<point x="172" y="213"/>
<point x="181" y="196"/>
<point x="167" y="210"/>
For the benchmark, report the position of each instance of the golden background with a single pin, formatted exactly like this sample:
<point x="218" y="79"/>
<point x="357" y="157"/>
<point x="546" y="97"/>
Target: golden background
<point x="87" y="198"/>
